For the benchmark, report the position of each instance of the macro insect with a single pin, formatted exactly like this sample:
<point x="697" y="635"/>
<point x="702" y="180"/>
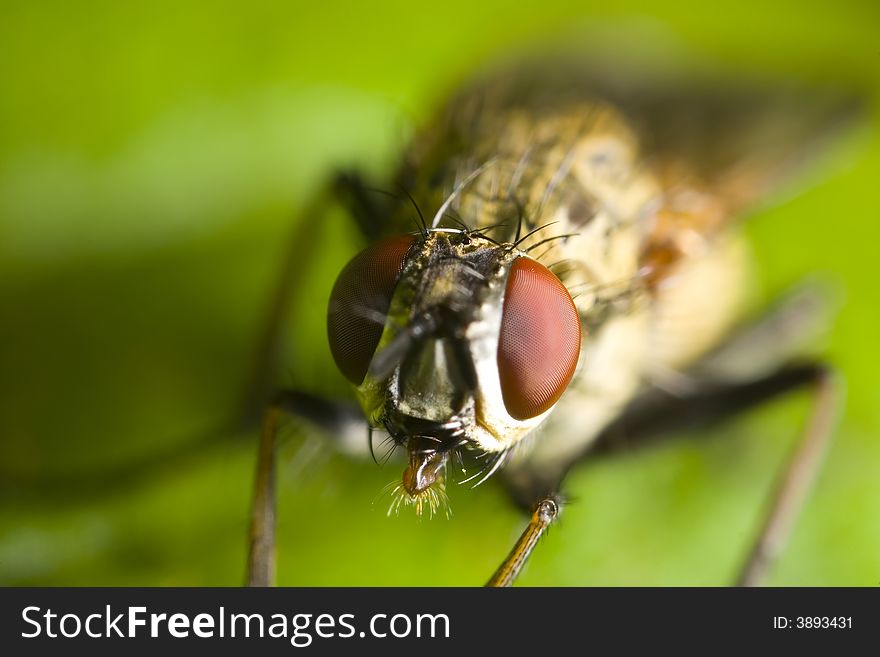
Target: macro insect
<point x="558" y="263"/>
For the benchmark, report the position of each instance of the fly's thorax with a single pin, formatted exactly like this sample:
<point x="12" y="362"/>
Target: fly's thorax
<point x="574" y="178"/>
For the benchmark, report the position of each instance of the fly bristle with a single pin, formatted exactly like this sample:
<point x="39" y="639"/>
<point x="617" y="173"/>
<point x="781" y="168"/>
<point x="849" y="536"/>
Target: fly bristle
<point x="432" y="500"/>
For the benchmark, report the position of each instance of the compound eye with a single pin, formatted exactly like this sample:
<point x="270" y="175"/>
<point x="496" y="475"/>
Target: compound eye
<point x="540" y="340"/>
<point x="359" y="302"/>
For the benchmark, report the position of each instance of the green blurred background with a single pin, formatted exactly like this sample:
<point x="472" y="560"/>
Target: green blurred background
<point x="153" y="157"/>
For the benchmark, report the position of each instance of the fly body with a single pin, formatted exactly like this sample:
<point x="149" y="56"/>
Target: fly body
<point x="574" y="249"/>
<point x="513" y="173"/>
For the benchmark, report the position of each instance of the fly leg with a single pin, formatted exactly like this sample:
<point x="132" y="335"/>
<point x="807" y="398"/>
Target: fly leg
<point x="739" y="375"/>
<point x="665" y="414"/>
<point x="367" y="210"/>
<point x="543" y="515"/>
<point x="261" y="549"/>
<point x="340" y="421"/>
<point x="661" y="414"/>
<point x="346" y="426"/>
<point x="795" y="481"/>
<point x="755" y="366"/>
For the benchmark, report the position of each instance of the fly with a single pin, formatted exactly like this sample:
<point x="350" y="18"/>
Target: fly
<point x="563" y="265"/>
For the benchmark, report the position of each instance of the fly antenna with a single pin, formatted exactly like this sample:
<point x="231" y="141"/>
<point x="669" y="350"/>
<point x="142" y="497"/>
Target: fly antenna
<point x="386" y="360"/>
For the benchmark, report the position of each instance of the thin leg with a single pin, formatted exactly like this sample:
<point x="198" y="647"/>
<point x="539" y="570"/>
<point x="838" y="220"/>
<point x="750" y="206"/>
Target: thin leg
<point x="545" y="512"/>
<point x="660" y="414"/>
<point x="261" y="555"/>
<point x="755" y="364"/>
<point x="347" y="429"/>
<point x="295" y="261"/>
<point x="367" y="214"/>
<point x="657" y="414"/>
<point x="795" y="482"/>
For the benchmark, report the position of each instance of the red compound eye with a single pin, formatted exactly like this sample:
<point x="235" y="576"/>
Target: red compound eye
<point x="359" y="302"/>
<point x="540" y="340"/>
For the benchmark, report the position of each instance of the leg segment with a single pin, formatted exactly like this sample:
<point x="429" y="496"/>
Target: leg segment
<point x="261" y="553"/>
<point x="545" y="512"/>
<point x="795" y="481"/>
<point x="347" y="188"/>
<point x="344" y="422"/>
<point x="661" y="414"/>
<point x="658" y="414"/>
<point x="753" y="366"/>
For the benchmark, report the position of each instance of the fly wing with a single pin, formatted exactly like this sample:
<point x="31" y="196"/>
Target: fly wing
<point x="742" y="140"/>
<point x="743" y="143"/>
